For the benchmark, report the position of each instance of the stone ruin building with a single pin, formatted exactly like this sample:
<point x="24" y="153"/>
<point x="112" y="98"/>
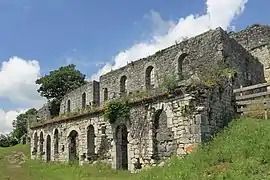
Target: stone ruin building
<point x="162" y="125"/>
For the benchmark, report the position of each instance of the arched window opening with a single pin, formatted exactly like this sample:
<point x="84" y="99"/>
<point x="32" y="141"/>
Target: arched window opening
<point x="35" y="143"/>
<point x="150" y="77"/>
<point x="41" y="141"/>
<point x="48" y="149"/>
<point x="121" y="147"/>
<point x="56" y="142"/>
<point x="90" y="140"/>
<point x="73" y="146"/>
<point x="123" y="86"/>
<point x="68" y="106"/>
<point x="105" y="94"/>
<point x="180" y="65"/>
<point x="83" y="100"/>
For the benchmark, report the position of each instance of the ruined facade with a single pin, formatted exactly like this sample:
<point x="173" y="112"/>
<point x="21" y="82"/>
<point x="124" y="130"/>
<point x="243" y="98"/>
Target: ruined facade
<point x="161" y="125"/>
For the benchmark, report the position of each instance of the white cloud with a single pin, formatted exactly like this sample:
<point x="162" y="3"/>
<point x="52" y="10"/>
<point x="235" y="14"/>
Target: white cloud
<point x="17" y="84"/>
<point x="6" y="119"/>
<point x="219" y="13"/>
<point x="17" y="81"/>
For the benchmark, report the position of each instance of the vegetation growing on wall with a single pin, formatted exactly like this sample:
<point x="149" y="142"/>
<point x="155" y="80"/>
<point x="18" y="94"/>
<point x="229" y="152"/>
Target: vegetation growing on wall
<point x="116" y="109"/>
<point x="169" y="83"/>
<point x="214" y="75"/>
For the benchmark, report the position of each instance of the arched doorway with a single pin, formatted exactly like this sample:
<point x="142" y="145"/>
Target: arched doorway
<point x="90" y="140"/>
<point x="48" y="149"/>
<point x="163" y="144"/>
<point x="73" y="146"/>
<point x="121" y="147"/>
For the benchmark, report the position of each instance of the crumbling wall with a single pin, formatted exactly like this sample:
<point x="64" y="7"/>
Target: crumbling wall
<point x="256" y="39"/>
<point x="147" y="143"/>
<point x="249" y="69"/>
<point x="91" y="90"/>
<point x="180" y="59"/>
<point x="160" y="126"/>
<point x="43" y="113"/>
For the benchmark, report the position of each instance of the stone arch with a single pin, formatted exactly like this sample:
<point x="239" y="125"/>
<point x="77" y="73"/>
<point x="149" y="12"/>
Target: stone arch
<point x="48" y="148"/>
<point x="56" y="141"/>
<point x="180" y="59"/>
<point x="121" y="147"/>
<point x="68" y="106"/>
<point x="35" y="143"/>
<point x="84" y="100"/>
<point x="90" y="140"/>
<point x="162" y="135"/>
<point x="41" y="141"/>
<point x="105" y="94"/>
<point x="150" y="77"/>
<point x="123" y="85"/>
<point x="73" y="144"/>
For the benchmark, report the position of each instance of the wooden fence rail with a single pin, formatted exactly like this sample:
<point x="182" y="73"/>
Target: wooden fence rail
<point x="248" y="101"/>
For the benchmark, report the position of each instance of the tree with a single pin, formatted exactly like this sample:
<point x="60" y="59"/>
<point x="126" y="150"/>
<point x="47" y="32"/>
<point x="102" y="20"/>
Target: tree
<point x="7" y="140"/>
<point x="3" y="141"/>
<point x="58" y="83"/>
<point x="20" y="123"/>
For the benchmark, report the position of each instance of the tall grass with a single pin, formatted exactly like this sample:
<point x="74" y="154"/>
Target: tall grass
<point x="241" y="151"/>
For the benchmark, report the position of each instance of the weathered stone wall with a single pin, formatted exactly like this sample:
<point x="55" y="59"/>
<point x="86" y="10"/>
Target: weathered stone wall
<point x="249" y="69"/>
<point x="44" y="113"/>
<point x="160" y="126"/>
<point x="181" y="59"/>
<point x="256" y="39"/>
<point x="91" y="90"/>
<point x="155" y="131"/>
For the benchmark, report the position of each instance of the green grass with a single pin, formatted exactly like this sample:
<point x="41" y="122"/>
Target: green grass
<point x="241" y="151"/>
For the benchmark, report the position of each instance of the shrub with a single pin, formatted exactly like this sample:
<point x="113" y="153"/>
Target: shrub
<point x="116" y="109"/>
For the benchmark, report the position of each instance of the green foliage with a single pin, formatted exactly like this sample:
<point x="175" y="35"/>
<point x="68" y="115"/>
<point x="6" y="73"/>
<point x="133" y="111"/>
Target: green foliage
<point x="58" y="83"/>
<point x="140" y="95"/>
<point x="54" y="107"/>
<point x="169" y="83"/>
<point x="214" y="75"/>
<point x="116" y="109"/>
<point x="7" y="140"/>
<point x="21" y="122"/>
<point x="241" y="151"/>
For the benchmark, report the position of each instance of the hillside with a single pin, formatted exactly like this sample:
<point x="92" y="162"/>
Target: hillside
<point x="242" y="151"/>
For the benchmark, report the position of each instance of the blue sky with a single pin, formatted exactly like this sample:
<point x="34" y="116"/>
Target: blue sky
<point x="91" y="33"/>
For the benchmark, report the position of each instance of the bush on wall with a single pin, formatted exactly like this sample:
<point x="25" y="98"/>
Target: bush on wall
<point x="116" y="109"/>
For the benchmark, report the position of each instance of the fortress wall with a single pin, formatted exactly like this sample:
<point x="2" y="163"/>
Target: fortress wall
<point x="75" y="97"/>
<point x="156" y="131"/>
<point x="200" y="51"/>
<point x="160" y="127"/>
<point x="256" y="39"/>
<point x="249" y="69"/>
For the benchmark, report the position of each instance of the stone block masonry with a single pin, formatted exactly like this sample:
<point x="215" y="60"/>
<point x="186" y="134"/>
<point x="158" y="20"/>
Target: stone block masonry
<point x="159" y="125"/>
<point x="256" y="40"/>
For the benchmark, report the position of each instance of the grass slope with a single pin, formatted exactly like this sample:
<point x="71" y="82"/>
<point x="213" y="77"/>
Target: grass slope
<point x="241" y="151"/>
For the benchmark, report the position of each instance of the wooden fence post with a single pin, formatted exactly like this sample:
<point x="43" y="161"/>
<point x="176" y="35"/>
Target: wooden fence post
<point x="241" y="107"/>
<point x="265" y="107"/>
